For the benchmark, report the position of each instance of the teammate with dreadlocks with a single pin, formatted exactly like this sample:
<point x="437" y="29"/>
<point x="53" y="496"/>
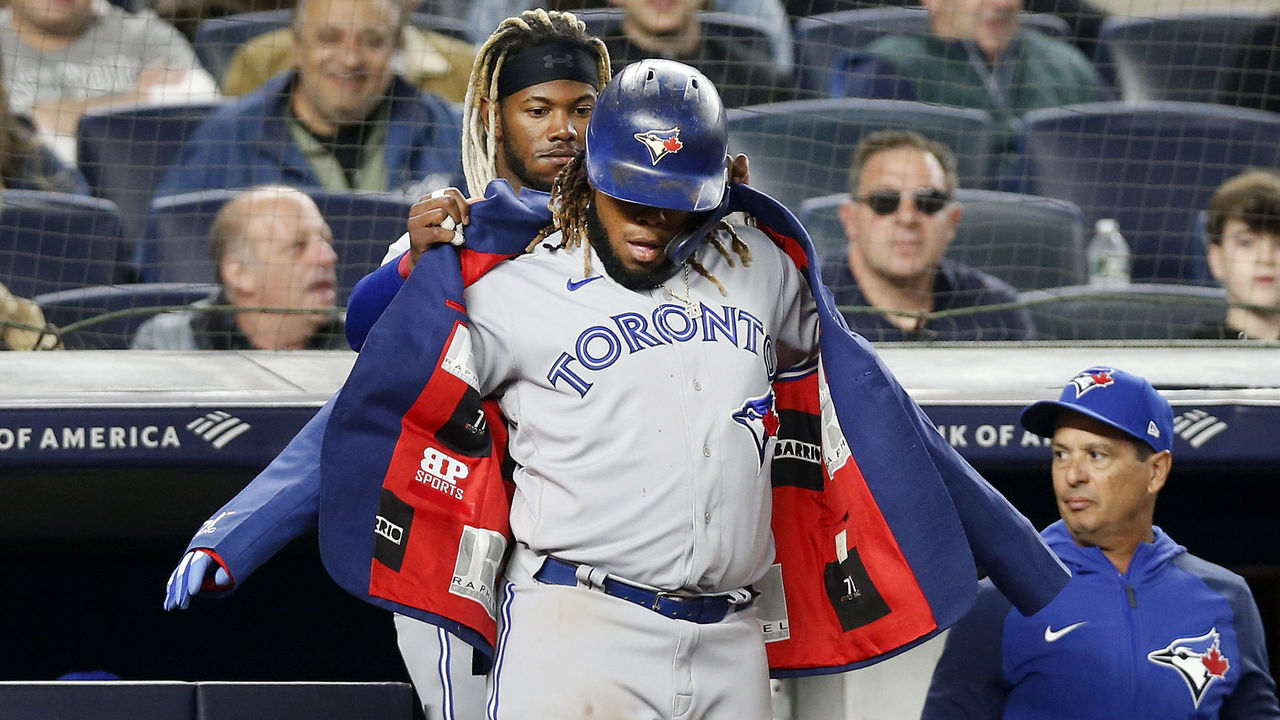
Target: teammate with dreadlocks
<point x="634" y="372"/>
<point x="531" y="93"/>
<point x="519" y="124"/>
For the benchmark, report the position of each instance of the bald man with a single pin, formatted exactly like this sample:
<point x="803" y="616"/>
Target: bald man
<point x="272" y="249"/>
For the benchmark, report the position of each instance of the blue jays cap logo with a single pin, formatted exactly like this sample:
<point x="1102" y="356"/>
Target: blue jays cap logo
<point x="1090" y="379"/>
<point x="758" y="416"/>
<point x="1199" y="660"/>
<point x="660" y="143"/>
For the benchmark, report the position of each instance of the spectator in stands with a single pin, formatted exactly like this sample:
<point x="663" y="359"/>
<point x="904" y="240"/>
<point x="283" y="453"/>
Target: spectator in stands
<point x="22" y="325"/>
<point x="435" y="62"/>
<point x="744" y="75"/>
<point x="1244" y="255"/>
<point x="25" y="162"/>
<point x="772" y="16"/>
<point x="1082" y="16"/>
<point x="977" y="55"/>
<point x="1253" y="81"/>
<point x="1143" y="630"/>
<point x="63" y="58"/>
<point x="272" y="249"/>
<point x="343" y="120"/>
<point x="899" y="221"/>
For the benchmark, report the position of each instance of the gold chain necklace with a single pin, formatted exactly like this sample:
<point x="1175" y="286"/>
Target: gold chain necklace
<point x="690" y="308"/>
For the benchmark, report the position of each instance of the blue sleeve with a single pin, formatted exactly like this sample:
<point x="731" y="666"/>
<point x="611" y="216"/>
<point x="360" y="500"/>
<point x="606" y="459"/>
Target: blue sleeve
<point x="865" y="76"/>
<point x="1254" y="697"/>
<point x="369" y="299"/>
<point x="279" y="505"/>
<point x="969" y="681"/>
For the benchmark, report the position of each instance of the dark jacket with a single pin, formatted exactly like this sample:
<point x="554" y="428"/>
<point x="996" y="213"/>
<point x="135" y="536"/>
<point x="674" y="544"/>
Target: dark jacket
<point x="247" y="143"/>
<point x="955" y="286"/>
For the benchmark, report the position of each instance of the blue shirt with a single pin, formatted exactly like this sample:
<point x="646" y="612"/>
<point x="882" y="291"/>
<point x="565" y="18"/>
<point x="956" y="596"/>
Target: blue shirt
<point x="1173" y="637"/>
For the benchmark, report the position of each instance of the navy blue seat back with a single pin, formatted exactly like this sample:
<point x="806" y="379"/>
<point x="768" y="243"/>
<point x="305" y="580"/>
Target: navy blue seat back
<point x="822" y="39"/>
<point x="1151" y="166"/>
<point x="176" y="243"/>
<point x="81" y="314"/>
<point x="1172" y="57"/>
<point x="217" y="39"/>
<point x="1028" y="241"/>
<point x="802" y="148"/>
<point x="125" y="152"/>
<point x="1139" y="312"/>
<point x="53" y="241"/>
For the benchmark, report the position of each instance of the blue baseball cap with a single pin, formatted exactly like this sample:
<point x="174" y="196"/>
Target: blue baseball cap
<point x="1122" y="400"/>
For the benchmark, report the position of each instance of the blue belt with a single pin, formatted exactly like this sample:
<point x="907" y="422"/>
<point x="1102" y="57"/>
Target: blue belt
<point x="702" y="609"/>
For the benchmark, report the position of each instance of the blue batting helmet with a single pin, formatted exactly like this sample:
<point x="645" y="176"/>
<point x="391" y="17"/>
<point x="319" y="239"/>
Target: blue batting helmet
<point x="657" y="137"/>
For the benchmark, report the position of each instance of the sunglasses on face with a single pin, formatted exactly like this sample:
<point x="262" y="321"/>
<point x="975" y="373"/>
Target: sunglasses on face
<point x="885" y="202"/>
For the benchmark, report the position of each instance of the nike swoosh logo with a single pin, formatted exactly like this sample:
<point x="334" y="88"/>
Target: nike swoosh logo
<point x="1051" y="635"/>
<point x="572" y="285"/>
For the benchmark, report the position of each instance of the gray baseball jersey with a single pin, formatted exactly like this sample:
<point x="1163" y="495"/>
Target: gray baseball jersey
<point x="631" y="413"/>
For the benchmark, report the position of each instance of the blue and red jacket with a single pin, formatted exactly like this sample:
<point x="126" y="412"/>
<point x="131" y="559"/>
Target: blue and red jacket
<point x="1174" y="636"/>
<point x="915" y="515"/>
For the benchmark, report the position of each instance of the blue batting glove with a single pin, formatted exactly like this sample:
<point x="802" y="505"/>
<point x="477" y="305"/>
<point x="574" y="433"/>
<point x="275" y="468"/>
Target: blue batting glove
<point x="188" y="578"/>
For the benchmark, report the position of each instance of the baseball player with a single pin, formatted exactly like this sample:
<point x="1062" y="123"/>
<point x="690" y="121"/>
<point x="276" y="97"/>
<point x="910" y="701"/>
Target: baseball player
<point x="530" y="96"/>
<point x="643" y="498"/>
<point x="652" y="490"/>
<point x="635" y="355"/>
<point x="1143" y="629"/>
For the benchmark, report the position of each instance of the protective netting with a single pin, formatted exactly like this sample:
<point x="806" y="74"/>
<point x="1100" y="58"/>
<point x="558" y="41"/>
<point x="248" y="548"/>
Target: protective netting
<point x="119" y="151"/>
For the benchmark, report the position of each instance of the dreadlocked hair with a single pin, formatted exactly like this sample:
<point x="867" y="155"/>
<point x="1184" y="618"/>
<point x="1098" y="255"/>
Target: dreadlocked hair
<point x="515" y="34"/>
<point x="570" y="196"/>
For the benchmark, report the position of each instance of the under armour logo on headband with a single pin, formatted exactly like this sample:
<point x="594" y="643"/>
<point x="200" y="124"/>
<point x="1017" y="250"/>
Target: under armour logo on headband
<point x="550" y="61"/>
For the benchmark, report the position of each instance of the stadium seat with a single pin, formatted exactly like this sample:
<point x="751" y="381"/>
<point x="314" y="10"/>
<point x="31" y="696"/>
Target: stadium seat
<point x="54" y="241"/>
<point x="1138" y="312"/>
<point x="1151" y="166"/>
<point x="67" y="308"/>
<point x="802" y="148"/>
<point x="125" y="151"/>
<point x="821" y="39"/>
<point x="175" y="246"/>
<point x="1172" y="57"/>
<point x="311" y="700"/>
<point x="1029" y="242"/>
<point x="217" y="39"/>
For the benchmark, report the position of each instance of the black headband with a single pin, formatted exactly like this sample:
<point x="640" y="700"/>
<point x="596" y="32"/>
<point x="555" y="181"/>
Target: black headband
<point x="556" y="60"/>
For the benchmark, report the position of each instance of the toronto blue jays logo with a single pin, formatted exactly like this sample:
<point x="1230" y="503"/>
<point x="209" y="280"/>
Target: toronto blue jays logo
<point x="1199" y="660"/>
<point x="757" y="415"/>
<point x="661" y="143"/>
<point x="1092" y="378"/>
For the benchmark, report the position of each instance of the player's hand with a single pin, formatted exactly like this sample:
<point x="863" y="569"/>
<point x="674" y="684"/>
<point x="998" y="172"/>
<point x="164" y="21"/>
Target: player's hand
<point x="188" y="578"/>
<point x="740" y="170"/>
<point x="436" y="219"/>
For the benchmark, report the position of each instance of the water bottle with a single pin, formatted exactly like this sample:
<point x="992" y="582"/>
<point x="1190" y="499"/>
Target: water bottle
<point x="1108" y="256"/>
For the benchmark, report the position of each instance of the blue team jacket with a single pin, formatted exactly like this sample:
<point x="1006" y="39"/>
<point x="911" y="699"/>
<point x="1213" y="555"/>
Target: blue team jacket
<point x="1173" y="637"/>
<point x="246" y="143"/>
<point x="940" y="514"/>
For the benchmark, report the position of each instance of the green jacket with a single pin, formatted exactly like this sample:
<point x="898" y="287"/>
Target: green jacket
<point x="1034" y="72"/>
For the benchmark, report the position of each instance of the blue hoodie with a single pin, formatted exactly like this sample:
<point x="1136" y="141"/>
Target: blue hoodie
<point x="1174" y="637"/>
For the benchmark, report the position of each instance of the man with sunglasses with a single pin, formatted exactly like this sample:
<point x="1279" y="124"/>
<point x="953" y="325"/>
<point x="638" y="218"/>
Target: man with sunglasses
<point x="898" y="223"/>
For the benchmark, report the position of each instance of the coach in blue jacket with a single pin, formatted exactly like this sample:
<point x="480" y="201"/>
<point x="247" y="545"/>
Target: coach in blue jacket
<point x="342" y="120"/>
<point x="1143" y="629"/>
